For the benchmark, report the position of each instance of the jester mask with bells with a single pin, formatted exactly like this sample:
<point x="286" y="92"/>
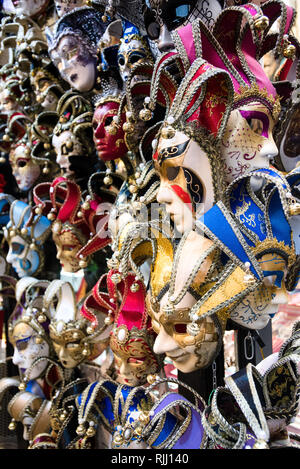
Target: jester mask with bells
<point x="131" y="338"/>
<point x="73" y="337"/>
<point x="74" y="221"/>
<point x="237" y="42"/>
<point x="31" y="163"/>
<point x="186" y="154"/>
<point x="26" y="234"/>
<point x="133" y="49"/>
<point x="28" y="329"/>
<point x="70" y="128"/>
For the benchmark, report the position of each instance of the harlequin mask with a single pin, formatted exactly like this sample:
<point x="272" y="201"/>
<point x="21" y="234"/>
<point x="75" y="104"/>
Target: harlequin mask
<point x="75" y="221"/>
<point x="167" y="16"/>
<point x="27" y="350"/>
<point x="24" y="169"/>
<point x="73" y="336"/>
<point x="186" y="154"/>
<point x="133" y="49"/>
<point x="109" y="138"/>
<point x="187" y="352"/>
<point x="181" y="164"/>
<point x="28" y="329"/>
<point x="25" y="234"/>
<point x="131" y="337"/>
<point x="248" y="141"/>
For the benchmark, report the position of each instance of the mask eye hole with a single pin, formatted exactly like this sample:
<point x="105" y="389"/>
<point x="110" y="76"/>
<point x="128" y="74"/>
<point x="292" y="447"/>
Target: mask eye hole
<point x="108" y="121"/>
<point x="121" y="61"/>
<point x="21" y="163"/>
<point x="180" y="328"/>
<point x="172" y="172"/>
<point x="255" y="125"/>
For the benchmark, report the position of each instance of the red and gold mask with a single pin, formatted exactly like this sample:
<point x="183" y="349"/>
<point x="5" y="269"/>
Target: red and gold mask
<point x="109" y="139"/>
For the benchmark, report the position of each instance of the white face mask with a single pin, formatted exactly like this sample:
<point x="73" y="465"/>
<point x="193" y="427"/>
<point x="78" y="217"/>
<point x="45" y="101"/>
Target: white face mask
<point x="24" y="169"/>
<point x="66" y="145"/>
<point x="130" y="53"/>
<point x="24" y="260"/>
<point x="27" y="350"/>
<point x="185" y="179"/>
<point x="76" y="65"/>
<point x="29" y="7"/>
<point x="248" y="141"/>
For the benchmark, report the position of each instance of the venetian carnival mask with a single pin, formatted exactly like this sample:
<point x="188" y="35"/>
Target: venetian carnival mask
<point x="24" y="169"/>
<point x="248" y="141"/>
<point x="25" y="261"/>
<point x="131" y="51"/>
<point x="167" y="16"/>
<point x="76" y="64"/>
<point x="134" y="359"/>
<point x="185" y="179"/>
<point x="66" y="145"/>
<point x="25" y="243"/>
<point x="187" y="352"/>
<point x="109" y="139"/>
<point x="27" y="348"/>
<point x="64" y="6"/>
<point x="68" y="243"/>
<point x="42" y="87"/>
<point x="29" y="7"/>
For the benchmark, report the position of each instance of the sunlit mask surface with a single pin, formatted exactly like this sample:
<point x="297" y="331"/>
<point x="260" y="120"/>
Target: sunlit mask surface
<point x="248" y="141"/>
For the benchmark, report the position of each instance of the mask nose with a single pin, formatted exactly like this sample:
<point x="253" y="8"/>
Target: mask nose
<point x="17" y="360"/>
<point x="163" y="194"/>
<point x="165" y="41"/>
<point x="164" y="343"/>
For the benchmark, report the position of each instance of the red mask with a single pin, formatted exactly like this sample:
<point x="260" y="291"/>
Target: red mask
<point x="109" y="146"/>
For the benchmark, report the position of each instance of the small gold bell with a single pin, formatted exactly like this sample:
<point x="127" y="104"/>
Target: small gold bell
<point x="13" y="424"/>
<point x="38" y="340"/>
<point x="38" y="210"/>
<point x="134" y="287"/>
<point x="6" y="138"/>
<point x="46" y="170"/>
<point x="261" y="23"/>
<point x="47" y="146"/>
<point x="289" y="51"/>
<point x="116" y="278"/>
<point x="145" y="114"/>
<point x="294" y="209"/>
<point x="24" y="231"/>
<point x="260" y="444"/>
<point x="86" y="205"/>
<point x="152" y="379"/>
<point x="91" y="432"/>
<point x="79" y="214"/>
<point x="22" y="386"/>
<point x="108" y="180"/>
<point x="167" y="132"/>
<point x="128" y="127"/>
<point x="85" y="352"/>
<point x="41" y="318"/>
<point x="104" y="18"/>
<point x="108" y="320"/>
<point x="118" y="439"/>
<point x="51" y="216"/>
<point x="83" y="264"/>
<point x="80" y="430"/>
<point x="63" y="416"/>
<point x="89" y="330"/>
<point x="132" y="188"/>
